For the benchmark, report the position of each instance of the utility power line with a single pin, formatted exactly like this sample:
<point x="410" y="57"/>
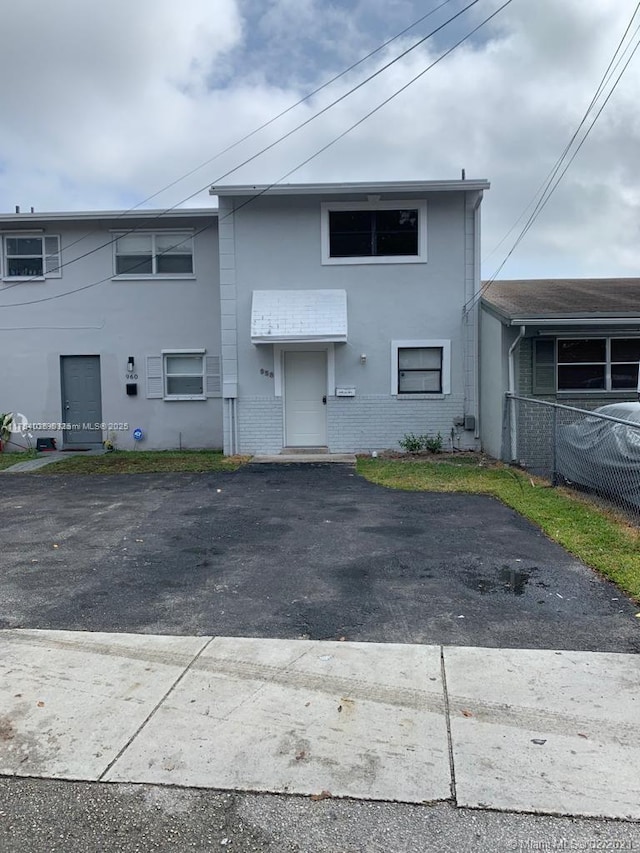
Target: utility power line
<point x="301" y="164"/>
<point x="556" y="174"/>
<point x="280" y="139"/>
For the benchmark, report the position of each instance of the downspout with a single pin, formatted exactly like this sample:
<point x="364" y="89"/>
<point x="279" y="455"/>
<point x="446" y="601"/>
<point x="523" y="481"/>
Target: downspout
<point x="477" y="286"/>
<point x="235" y="426"/>
<point x="512" y="390"/>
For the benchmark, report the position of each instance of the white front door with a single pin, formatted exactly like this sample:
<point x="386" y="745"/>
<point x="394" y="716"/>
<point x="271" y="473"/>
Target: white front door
<point x="305" y="389"/>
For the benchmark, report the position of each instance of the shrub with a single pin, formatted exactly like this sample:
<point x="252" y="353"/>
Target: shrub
<point x="434" y="444"/>
<point x="411" y="443"/>
<point x="417" y="443"/>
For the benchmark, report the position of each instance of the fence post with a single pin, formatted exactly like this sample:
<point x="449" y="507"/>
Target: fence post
<point x="554" y="473"/>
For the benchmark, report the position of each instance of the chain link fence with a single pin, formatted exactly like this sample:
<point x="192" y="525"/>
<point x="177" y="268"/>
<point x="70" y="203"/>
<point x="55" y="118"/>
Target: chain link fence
<point x="595" y="452"/>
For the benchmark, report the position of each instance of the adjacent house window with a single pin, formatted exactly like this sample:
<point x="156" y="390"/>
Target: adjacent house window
<point x="31" y="256"/>
<point x="586" y="364"/>
<point x="374" y="232"/>
<point x="159" y="254"/>
<point x="183" y="375"/>
<point x="420" y="367"/>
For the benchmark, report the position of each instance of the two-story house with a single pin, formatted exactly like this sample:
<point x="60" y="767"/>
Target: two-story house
<point x="342" y="314"/>
<point x="111" y="323"/>
<point x="326" y="316"/>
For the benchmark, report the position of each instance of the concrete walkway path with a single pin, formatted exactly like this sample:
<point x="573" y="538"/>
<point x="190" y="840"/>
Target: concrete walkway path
<point x="47" y="458"/>
<point x="522" y="730"/>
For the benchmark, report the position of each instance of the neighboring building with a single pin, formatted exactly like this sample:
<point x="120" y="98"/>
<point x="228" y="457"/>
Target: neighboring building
<point x="572" y="341"/>
<point x="342" y="314"/>
<point x="127" y="334"/>
<point x="326" y="316"/>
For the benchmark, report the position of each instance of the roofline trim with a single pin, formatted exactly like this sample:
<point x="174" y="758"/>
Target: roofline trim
<point x="346" y="188"/>
<point x="78" y="216"/>
<point x="573" y="320"/>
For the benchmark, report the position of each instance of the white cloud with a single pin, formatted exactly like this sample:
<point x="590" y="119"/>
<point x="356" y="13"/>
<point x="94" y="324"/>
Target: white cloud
<point x="106" y="105"/>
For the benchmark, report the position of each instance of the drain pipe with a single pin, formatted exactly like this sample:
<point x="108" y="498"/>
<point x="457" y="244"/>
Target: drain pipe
<point x="512" y="391"/>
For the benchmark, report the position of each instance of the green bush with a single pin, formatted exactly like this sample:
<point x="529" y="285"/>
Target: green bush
<point x="411" y="443"/>
<point x="433" y="445"/>
<point x="417" y="443"/>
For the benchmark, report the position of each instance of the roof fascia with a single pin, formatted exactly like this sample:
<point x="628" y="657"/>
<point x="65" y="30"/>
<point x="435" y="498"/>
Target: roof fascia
<point x="351" y="188"/>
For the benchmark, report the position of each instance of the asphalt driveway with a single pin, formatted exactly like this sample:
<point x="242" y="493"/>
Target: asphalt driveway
<point x="293" y="551"/>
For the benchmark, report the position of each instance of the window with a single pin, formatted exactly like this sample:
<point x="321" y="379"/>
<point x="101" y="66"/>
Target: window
<point x="586" y="364"/>
<point x="374" y="232"/>
<point x="31" y="256"/>
<point x="161" y="254"/>
<point x="183" y="375"/>
<point x="420" y="367"/>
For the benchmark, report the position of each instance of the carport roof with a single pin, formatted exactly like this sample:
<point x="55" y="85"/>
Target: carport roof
<point x="519" y="302"/>
<point x="303" y="316"/>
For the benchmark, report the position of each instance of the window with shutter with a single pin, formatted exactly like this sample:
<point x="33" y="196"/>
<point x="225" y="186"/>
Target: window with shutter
<point x="183" y="374"/>
<point x="585" y="365"/>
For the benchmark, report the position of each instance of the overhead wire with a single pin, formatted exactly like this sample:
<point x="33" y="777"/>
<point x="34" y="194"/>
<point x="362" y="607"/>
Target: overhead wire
<point x="300" y="165"/>
<point x="557" y="173"/>
<point x="279" y="140"/>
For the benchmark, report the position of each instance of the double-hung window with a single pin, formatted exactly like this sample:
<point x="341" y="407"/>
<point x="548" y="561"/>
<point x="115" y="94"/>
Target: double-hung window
<point x="420" y="367"/>
<point x="374" y="232"/>
<point x="31" y="256"/>
<point x="168" y="254"/>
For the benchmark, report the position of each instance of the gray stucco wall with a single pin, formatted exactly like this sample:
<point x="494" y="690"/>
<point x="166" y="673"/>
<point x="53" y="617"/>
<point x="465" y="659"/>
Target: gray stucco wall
<point x="274" y="243"/>
<point x="113" y="319"/>
<point x="494" y="382"/>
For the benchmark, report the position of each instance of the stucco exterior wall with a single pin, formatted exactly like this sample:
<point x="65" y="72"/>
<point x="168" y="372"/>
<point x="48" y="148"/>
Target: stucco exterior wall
<point x="85" y="312"/>
<point x="274" y="243"/>
<point x="494" y="382"/>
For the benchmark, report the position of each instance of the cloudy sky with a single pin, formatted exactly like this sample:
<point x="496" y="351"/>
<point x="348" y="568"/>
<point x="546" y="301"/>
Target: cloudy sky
<point x="105" y="104"/>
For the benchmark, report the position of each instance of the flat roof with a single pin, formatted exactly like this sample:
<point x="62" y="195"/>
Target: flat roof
<point x="92" y="215"/>
<point x="365" y="187"/>
<point x="526" y="300"/>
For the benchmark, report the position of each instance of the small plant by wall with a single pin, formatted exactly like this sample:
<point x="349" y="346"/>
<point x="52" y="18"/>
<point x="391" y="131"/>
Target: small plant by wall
<point x="419" y="443"/>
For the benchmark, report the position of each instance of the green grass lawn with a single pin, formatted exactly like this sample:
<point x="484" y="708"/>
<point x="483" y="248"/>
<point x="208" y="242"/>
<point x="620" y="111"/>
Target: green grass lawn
<point x="9" y="459"/>
<point x="602" y="540"/>
<point x="144" y="462"/>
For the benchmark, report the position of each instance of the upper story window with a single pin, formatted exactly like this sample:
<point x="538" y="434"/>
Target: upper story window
<point x="159" y="254"/>
<point x="31" y="256"/>
<point x="374" y="232"/>
<point x="586" y="364"/>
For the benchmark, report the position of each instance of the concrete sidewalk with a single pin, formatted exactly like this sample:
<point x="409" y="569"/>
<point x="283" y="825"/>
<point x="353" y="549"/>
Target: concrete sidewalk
<point x="522" y="730"/>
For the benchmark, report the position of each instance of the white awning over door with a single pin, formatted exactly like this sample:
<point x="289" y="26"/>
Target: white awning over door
<point x="298" y="316"/>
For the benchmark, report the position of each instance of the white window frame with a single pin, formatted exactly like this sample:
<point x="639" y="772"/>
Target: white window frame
<point x="167" y="353"/>
<point x="31" y="235"/>
<point x="188" y="235"/>
<point x="401" y="204"/>
<point x="444" y="345"/>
